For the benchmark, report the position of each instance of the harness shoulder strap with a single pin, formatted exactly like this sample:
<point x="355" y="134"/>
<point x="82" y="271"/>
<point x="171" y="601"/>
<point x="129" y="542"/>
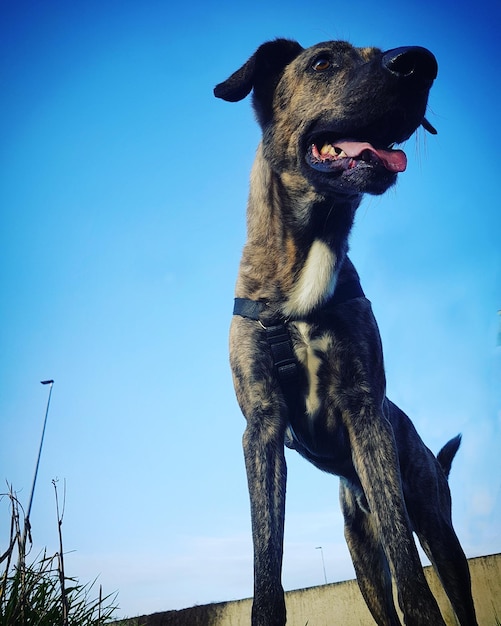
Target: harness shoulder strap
<point x="248" y="308"/>
<point x="282" y="352"/>
<point x="279" y="340"/>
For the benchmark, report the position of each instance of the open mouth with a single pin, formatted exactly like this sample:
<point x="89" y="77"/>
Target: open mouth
<point x="338" y="155"/>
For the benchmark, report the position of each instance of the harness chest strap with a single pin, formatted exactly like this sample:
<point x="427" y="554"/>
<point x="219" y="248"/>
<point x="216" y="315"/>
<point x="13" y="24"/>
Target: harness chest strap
<point x="278" y="336"/>
<point x="280" y="343"/>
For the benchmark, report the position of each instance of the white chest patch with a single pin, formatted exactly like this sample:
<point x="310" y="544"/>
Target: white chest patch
<point x="309" y="354"/>
<point x="316" y="282"/>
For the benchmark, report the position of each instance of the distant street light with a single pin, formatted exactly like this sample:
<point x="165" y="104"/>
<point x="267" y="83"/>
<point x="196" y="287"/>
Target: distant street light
<point x="28" y="512"/>
<point x="323" y="562"/>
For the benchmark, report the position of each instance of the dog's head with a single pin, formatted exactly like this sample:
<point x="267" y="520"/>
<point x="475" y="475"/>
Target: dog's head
<point x="334" y="112"/>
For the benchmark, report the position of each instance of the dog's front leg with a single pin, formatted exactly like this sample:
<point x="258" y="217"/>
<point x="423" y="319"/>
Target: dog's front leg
<point x="266" y="475"/>
<point x="263" y="442"/>
<point x="376" y="462"/>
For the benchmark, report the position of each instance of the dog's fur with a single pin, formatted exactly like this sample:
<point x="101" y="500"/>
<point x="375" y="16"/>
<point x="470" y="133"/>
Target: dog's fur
<point x="301" y="208"/>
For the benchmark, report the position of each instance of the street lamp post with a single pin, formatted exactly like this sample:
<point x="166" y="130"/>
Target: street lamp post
<point x="323" y="562"/>
<point x="28" y="512"/>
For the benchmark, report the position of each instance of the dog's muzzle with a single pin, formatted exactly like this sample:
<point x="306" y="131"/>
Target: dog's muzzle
<point x="360" y="153"/>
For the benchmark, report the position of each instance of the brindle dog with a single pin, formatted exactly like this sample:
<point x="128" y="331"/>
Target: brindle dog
<point x="330" y="116"/>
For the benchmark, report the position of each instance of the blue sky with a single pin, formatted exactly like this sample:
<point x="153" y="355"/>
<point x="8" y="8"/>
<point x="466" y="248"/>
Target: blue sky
<point x="123" y="186"/>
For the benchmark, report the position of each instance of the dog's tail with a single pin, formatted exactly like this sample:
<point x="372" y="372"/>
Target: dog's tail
<point x="447" y="453"/>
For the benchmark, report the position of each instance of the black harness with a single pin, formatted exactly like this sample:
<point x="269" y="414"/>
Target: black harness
<point x="278" y="336"/>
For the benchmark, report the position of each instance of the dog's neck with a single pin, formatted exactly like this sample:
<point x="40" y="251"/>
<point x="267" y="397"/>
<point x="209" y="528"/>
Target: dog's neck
<point x="294" y="263"/>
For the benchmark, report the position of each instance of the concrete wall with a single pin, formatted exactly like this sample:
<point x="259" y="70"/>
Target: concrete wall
<point x="340" y="603"/>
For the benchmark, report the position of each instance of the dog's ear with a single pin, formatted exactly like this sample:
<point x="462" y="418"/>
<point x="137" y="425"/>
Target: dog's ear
<point x="261" y="73"/>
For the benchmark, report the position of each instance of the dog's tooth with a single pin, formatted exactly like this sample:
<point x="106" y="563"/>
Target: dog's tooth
<point x="338" y="152"/>
<point x="330" y="150"/>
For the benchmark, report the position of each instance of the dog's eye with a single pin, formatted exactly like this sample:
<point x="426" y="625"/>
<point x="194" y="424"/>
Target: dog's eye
<point x="320" y="64"/>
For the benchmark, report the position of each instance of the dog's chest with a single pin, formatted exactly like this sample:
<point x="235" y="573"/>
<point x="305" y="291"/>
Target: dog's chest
<point x="311" y="351"/>
<point x="316" y="280"/>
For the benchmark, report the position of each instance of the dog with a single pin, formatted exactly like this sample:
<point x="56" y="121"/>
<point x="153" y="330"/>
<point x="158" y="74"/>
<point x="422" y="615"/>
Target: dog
<point x="305" y="349"/>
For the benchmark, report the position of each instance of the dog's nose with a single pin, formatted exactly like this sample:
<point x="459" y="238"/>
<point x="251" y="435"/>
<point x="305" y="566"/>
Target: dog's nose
<point x="412" y="63"/>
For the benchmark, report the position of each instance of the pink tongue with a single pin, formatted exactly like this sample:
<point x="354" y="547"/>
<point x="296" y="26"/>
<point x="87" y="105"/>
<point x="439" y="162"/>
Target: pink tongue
<point x="393" y="160"/>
